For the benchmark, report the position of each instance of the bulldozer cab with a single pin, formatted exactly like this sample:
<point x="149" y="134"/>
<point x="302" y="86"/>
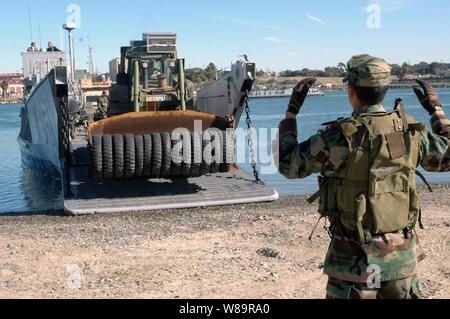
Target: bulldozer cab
<point x="151" y="77"/>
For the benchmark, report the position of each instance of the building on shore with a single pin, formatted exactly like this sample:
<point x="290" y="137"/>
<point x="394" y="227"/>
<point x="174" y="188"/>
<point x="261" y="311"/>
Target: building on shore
<point x="114" y="66"/>
<point x="445" y="74"/>
<point x="15" y="85"/>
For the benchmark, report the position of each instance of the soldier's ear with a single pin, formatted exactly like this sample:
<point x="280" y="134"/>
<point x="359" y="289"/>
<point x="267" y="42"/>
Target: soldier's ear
<point x="352" y="95"/>
<point x="351" y="92"/>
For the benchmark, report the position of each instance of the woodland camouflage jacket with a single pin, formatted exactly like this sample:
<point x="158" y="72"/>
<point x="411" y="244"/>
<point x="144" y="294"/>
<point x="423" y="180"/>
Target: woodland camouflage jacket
<point x="348" y="259"/>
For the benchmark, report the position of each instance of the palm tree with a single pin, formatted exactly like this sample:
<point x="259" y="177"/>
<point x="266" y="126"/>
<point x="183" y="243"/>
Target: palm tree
<point x="4" y="86"/>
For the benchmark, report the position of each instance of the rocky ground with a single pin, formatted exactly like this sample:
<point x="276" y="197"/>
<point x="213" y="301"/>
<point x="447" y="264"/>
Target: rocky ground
<point x="252" y="251"/>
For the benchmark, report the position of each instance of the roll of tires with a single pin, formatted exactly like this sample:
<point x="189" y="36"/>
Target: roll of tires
<point x="157" y="155"/>
<point x="148" y="147"/>
<point x="139" y="145"/>
<point x="119" y="159"/>
<point x="97" y="158"/>
<point x="216" y="153"/>
<point x="108" y="156"/>
<point x="177" y="157"/>
<point x="229" y="151"/>
<point x="207" y="156"/>
<point x="187" y="156"/>
<point x="197" y="154"/>
<point x="166" y="155"/>
<point x="130" y="156"/>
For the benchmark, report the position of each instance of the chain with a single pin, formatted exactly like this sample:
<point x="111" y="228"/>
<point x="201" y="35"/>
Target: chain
<point x="65" y="125"/>
<point x="251" y="144"/>
<point x="64" y="105"/>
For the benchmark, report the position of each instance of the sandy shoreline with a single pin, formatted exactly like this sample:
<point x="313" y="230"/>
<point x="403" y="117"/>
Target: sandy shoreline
<point x="201" y="253"/>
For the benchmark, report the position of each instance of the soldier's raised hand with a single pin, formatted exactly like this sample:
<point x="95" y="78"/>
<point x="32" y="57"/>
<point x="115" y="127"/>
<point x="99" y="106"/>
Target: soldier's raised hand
<point x="428" y="97"/>
<point x="299" y="95"/>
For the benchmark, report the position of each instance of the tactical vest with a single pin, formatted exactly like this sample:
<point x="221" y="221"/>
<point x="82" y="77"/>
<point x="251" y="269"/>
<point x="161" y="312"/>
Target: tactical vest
<point x="375" y="193"/>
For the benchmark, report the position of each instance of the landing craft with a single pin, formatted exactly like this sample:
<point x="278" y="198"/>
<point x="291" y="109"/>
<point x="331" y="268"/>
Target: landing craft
<point x="131" y="161"/>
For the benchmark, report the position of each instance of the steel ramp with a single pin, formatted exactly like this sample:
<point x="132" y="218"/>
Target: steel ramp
<point x="103" y="196"/>
<point x="108" y="196"/>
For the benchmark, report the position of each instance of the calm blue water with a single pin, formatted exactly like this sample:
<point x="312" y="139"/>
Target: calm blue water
<point x="22" y="191"/>
<point x="267" y="113"/>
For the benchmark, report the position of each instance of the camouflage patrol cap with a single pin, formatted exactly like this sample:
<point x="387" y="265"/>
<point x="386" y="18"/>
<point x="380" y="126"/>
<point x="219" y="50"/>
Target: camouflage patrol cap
<point x="368" y="71"/>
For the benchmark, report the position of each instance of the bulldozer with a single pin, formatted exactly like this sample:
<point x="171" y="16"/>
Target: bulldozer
<point x="151" y="100"/>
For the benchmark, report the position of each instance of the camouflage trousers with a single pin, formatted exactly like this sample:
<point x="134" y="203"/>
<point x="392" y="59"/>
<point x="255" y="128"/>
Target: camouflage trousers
<point x="400" y="289"/>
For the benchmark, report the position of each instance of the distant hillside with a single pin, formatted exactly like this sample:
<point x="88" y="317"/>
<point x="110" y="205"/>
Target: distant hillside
<point x="329" y="76"/>
<point x="404" y="71"/>
<point x="199" y="77"/>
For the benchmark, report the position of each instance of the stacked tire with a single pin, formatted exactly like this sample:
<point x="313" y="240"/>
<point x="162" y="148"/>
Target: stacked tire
<point x="158" y="155"/>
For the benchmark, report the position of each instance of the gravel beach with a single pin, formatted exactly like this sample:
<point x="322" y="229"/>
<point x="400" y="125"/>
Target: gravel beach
<point x="251" y="251"/>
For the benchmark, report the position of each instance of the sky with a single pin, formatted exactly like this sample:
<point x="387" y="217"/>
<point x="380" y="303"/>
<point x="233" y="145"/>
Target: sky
<point x="276" y="34"/>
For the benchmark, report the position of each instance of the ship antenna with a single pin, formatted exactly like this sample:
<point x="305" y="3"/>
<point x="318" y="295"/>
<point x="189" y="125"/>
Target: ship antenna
<point x="69" y="27"/>
<point x="91" y="60"/>
<point x="30" y="20"/>
<point x="40" y="34"/>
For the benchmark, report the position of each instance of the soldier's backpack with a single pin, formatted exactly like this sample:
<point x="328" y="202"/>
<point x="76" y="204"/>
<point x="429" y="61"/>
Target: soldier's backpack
<point x="375" y="193"/>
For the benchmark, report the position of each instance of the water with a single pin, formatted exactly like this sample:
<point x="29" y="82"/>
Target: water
<point x="267" y="113"/>
<point x="22" y="191"/>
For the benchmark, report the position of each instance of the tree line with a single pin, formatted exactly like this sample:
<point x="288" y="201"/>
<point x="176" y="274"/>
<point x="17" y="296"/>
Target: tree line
<point x="422" y="68"/>
<point x="200" y="76"/>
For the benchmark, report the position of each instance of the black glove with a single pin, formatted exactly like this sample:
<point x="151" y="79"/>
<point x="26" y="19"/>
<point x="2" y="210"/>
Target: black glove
<point x="299" y="95"/>
<point x="428" y="98"/>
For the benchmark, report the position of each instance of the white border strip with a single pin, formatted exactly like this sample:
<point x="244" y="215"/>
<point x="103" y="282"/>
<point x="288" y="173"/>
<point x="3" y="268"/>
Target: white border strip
<point x="143" y="208"/>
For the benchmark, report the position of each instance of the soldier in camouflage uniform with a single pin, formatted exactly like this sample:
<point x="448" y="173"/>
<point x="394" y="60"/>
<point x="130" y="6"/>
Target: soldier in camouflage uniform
<point x="102" y="107"/>
<point x="345" y="153"/>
